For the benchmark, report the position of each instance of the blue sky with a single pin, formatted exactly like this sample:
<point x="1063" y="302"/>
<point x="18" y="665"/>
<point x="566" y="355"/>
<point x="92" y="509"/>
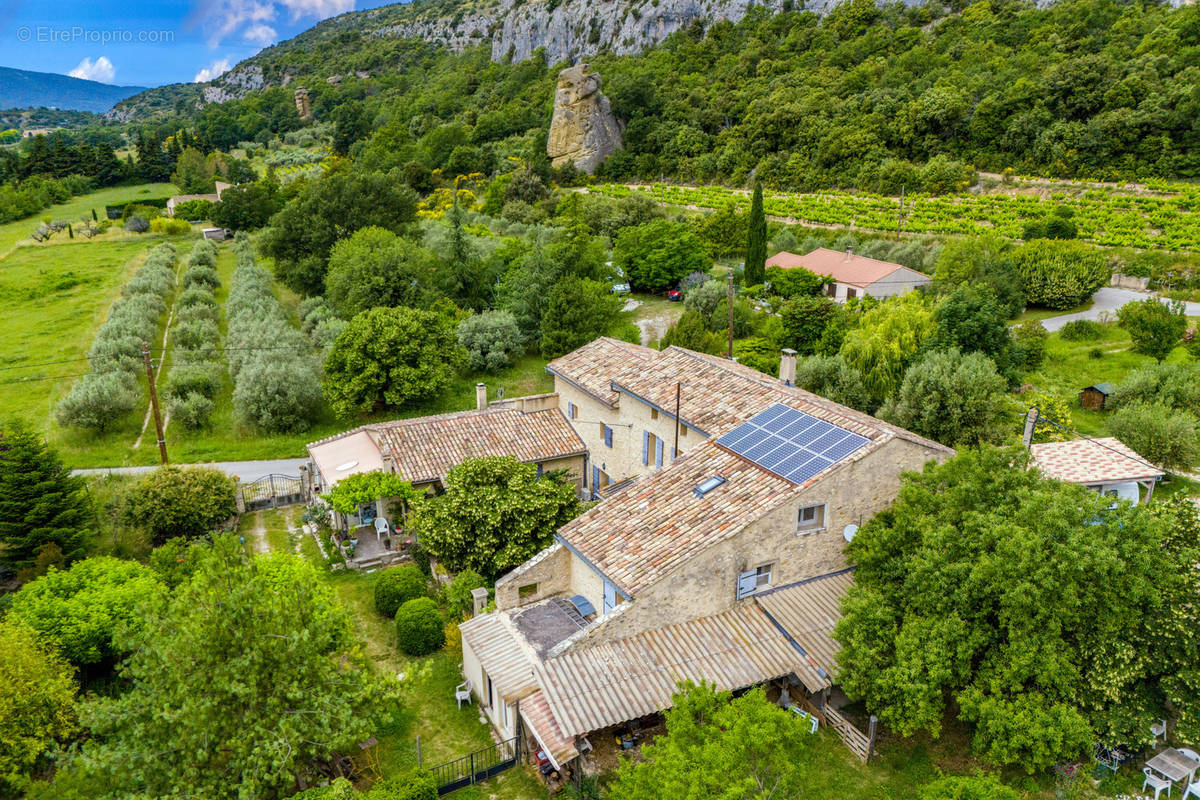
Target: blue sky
<point x="151" y="42"/>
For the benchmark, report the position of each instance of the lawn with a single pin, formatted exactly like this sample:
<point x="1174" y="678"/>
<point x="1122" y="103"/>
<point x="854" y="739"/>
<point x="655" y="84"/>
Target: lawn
<point x="54" y="298"/>
<point x="79" y="207"/>
<point x="1071" y="366"/>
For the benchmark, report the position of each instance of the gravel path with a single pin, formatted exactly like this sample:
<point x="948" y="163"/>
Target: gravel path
<point x="1108" y="300"/>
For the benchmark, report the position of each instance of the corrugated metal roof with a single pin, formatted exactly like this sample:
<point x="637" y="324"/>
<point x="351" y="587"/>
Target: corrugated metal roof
<point x="503" y="652"/>
<point x="808" y="610"/>
<point x="540" y="719"/>
<point x="609" y="683"/>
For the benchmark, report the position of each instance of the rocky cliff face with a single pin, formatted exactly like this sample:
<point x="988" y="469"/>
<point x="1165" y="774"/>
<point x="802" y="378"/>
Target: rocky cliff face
<point x="575" y="29"/>
<point x="583" y="130"/>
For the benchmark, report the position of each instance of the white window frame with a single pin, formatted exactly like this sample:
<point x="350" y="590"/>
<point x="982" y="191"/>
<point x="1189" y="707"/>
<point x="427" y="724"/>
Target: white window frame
<point x="816" y="524"/>
<point x="762" y="575"/>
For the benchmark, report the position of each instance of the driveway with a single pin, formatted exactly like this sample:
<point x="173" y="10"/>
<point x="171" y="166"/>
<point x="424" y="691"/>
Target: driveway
<point x="1109" y="299"/>
<point x="245" y="471"/>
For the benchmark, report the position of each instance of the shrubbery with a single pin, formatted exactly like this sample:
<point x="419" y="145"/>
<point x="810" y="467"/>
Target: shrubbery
<point x="419" y="629"/>
<point x="1081" y="330"/>
<point x="398" y="585"/>
<point x="457" y="594"/>
<point x="194" y="381"/>
<point x="277" y="385"/>
<point x="492" y="339"/>
<point x="102" y="398"/>
<point x="175" y="501"/>
<point x="1058" y="274"/>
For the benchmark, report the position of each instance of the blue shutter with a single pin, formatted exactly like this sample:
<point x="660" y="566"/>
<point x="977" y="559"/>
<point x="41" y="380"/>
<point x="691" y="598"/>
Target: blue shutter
<point x="595" y="482"/>
<point x="658" y="452"/>
<point x="610" y="596"/>
<point x="570" y="410"/>
<point x="747" y="584"/>
<point x="607" y="436"/>
<point x="645" y="448"/>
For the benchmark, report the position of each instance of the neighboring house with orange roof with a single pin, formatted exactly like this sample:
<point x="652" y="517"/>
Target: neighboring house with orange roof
<point x="853" y="275"/>
<point x="734" y="485"/>
<point x="1105" y="465"/>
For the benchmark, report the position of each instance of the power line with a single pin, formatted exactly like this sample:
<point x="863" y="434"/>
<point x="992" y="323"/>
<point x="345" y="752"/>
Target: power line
<point x="1136" y="458"/>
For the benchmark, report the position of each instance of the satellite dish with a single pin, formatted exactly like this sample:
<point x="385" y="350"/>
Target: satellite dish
<point x="849" y="531"/>
<point x="346" y="466"/>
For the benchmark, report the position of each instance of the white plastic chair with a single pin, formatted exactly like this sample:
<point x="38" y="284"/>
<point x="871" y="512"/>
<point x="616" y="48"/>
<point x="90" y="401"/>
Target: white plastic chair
<point x="1155" y="782"/>
<point x="1192" y="789"/>
<point x="463" y="692"/>
<point x="1192" y="775"/>
<point x="1159" y="729"/>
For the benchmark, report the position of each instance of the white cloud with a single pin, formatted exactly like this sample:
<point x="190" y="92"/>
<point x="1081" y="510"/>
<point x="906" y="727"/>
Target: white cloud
<point x="259" y="34"/>
<point x="99" y="70"/>
<point x="213" y="70"/>
<point x="253" y="19"/>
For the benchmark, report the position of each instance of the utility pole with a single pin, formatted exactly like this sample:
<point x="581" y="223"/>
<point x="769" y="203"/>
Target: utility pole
<point x="162" y="442"/>
<point x="731" y="312"/>
<point x="900" y="213"/>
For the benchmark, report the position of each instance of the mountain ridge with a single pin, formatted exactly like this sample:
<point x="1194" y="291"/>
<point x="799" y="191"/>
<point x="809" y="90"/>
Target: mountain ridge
<point x="22" y="88"/>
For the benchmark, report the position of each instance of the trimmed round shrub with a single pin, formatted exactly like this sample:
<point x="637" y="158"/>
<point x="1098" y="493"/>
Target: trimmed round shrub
<point x="197" y="334"/>
<point x="193" y="409"/>
<point x="398" y="585"/>
<point x="195" y="296"/>
<point x="1081" y="330"/>
<point x="201" y="275"/>
<point x="202" y="378"/>
<point x="419" y="629"/>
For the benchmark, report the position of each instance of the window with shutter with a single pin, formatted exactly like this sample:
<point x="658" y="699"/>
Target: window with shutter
<point x="747" y="584"/>
<point x="658" y="452"/>
<point x="607" y="436"/>
<point x="571" y="410"/>
<point x="645" y="448"/>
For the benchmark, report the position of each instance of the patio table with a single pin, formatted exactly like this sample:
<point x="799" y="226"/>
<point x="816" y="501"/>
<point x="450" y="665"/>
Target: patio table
<point x="1173" y="765"/>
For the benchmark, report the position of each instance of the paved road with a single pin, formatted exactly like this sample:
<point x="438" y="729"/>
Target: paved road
<point x="244" y="470"/>
<point x="1109" y="299"/>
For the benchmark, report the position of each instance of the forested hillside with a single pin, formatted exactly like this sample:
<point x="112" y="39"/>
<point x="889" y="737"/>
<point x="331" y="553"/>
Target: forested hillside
<point x="862" y="97"/>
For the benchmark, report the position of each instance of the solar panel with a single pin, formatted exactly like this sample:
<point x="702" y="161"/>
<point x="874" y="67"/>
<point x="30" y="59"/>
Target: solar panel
<point x="793" y="445"/>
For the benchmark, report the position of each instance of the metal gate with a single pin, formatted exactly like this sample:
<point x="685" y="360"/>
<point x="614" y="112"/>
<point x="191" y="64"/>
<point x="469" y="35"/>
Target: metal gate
<point x="476" y="767"/>
<point x="271" y="491"/>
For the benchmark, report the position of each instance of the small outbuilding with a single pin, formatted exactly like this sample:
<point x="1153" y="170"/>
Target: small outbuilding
<point x="1093" y="397"/>
<point x="853" y="275"/>
<point x="1104" y="465"/>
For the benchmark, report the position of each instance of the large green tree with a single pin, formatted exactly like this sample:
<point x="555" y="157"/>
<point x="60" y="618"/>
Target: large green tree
<point x="657" y="254"/>
<point x="242" y="681"/>
<point x="1155" y="327"/>
<point x="719" y="747"/>
<point x="970" y="320"/>
<point x="1060" y="275"/>
<point x="1158" y="433"/>
<point x="886" y="340"/>
<point x="180" y="501"/>
<point x="390" y="358"/>
<point x="37" y="705"/>
<point x="577" y="311"/>
<point x="496" y="512"/>
<point x="756" y="241"/>
<point x="953" y="398"/>
<point x="41" y="504"/>
<point x="1028" y="607"/>
<point x="81" y="611"/>
<point x="328" y="208"/>
<point x="375" y="267"/>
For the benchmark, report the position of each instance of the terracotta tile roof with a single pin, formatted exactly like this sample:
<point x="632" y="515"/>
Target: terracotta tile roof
<point x="424" y="449"/>
<point x="658" y="522"/>
<point x="593" y="366"/>
<point x="541" y="720"/>
<point x="1106" y="460"/>
<point x="808" y="610"/>
<point x="846" y="268"/>
<point x="592" y="688"/>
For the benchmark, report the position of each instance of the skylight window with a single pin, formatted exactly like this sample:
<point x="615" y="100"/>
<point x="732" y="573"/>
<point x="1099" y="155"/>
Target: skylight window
<point x="708" y="485"/>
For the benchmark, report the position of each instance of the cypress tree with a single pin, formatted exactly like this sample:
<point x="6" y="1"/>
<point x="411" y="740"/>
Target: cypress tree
<point x="40" y="501"/>
<point x="756" y="241"/>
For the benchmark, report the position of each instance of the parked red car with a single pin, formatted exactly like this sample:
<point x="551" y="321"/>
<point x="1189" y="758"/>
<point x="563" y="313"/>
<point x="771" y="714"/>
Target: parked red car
<point x="675" y="295"/>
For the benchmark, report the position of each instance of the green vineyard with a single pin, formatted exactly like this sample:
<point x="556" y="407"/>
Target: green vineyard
<point x="1167" y="219"/>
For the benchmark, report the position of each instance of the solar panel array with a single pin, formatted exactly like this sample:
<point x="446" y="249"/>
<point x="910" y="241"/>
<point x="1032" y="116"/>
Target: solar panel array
<point x="794" y="445"/>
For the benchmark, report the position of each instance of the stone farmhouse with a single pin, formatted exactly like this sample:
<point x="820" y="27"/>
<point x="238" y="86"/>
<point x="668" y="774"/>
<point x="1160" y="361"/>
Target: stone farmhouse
<point x="715" y="552"/>
<point x="853" y="275"/>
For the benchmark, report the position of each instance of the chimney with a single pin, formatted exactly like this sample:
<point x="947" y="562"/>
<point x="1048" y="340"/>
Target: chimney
<point x="481" y="396"/>
<point x="1030" y="424"/>
<point x="787" y="366"/>
<point x="849" y="253"/>
<point x="479" y="599"/>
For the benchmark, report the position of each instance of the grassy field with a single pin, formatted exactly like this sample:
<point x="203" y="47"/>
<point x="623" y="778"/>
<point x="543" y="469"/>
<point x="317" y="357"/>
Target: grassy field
<point x="1071" y="366"/>
<point x="79" y="207"/>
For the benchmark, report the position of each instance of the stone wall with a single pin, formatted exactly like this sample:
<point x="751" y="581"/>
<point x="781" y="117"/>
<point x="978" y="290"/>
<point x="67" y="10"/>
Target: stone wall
<point x="707" y="583"/>
<point x="549" y="570"/>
